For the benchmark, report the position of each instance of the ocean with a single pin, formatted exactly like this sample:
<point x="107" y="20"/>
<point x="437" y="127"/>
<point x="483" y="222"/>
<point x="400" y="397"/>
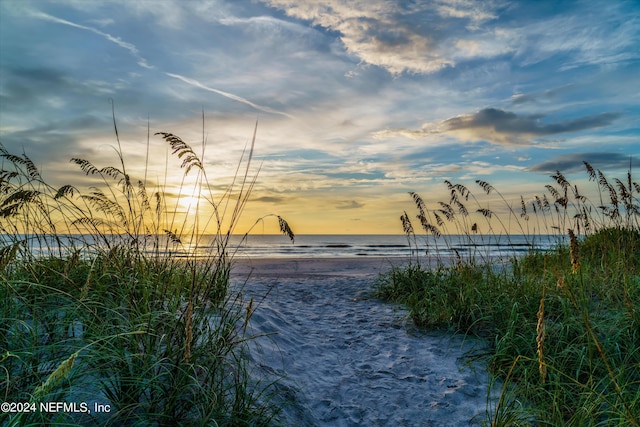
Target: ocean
<point x="325" y="246"/>
<point x="390" y="246"/>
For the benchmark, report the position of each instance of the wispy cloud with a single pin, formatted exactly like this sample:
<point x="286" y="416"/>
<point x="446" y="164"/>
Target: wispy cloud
<point x="545" y="96"/>
<point x="197" y="84"/>
<point x="580" y="38"/>
<point x="143" y="62"/>
<point x="128" y="46"/>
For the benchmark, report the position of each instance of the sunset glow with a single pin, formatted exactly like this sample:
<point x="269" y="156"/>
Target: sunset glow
<point x="356" y="103"/>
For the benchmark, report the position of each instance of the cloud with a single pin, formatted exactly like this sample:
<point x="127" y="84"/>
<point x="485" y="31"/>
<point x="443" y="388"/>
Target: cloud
<point x="542" y="96"/>
<point x="269" y="199"/>
<point x="197" y="84"/>
<point x="128" y="46"/>
<point x="575" y="162"/>
<point x="51" y="88"/>
<point x="143" y="62"/>
<point x="352" y="204"/>
<point x="167" y="14"/>
<point x="582" y="36"/>
<point x="394" y="36"/>
<point x="475" y="11"/>
<point x="503" y="127"/>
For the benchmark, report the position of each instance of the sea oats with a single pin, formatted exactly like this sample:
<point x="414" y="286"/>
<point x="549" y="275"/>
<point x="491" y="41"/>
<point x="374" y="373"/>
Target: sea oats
<point x="429" y="228"/>
<point x="285" y="229"/>
<point x="407" y="227"/>
<point x="182" y="149"/>
<point x="590" y="171"/>
<point x="488" y="188"/>
<point x="577" y="195"/>
<point x="8" y="253"/>
<point x="447" y="211"/>
<point x="554" y="192"/>
<point x="61" y="372"/>
<point x="487" y="213"/>
<point x="540" y="336"/>
<point x="418" y="202"/>
<point x="461" y="207"/>
<point x="523" y="209"/>
<point x="438" y="218"/>
<point x="562" y="201"/>
<point x="86" y="166"/>
<point x="96" y="276"/>
<point x="173" y="236"/>
<point x="574" y="252"/>
<point x="65" y="190"/>
<point x="249" y="312"/>
<point x="561" y="180"/>
<point x="586" y="216"/>
<point x="112" y="172"/>
<point x="188" y="331"/>
<point x="19" y="200"/>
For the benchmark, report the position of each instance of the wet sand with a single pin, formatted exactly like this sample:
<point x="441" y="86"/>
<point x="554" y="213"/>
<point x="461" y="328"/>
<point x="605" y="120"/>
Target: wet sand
<point x="288" y="267"/>
<point x="347" y="359"/>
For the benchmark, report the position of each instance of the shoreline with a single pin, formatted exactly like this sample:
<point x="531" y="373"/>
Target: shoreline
<point x="293" y="267"/>
<point x="287" y="267"/>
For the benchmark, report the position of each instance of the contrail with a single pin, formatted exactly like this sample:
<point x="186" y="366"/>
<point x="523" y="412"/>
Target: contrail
<point x="143" y="62"/>
<point x="130" y="47"/>
<point x="196" y="83"/>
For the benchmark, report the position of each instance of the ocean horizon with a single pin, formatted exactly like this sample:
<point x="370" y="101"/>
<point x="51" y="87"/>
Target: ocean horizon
<point x="317" y="245"/>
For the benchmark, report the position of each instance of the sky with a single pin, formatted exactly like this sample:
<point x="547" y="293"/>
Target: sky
<point x="357" y="103"/>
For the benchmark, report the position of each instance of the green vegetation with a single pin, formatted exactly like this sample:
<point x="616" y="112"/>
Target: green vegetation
<point x="95" y="308"/>
<point x="563" y="325"/>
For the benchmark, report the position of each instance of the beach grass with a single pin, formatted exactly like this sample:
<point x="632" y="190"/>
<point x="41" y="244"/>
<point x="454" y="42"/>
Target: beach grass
<point x="97" y="310"/>
<point x="563" y="325"/>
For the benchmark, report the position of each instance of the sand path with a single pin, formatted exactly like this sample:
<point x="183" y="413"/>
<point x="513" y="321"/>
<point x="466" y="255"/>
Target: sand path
<point x="347" y="359"/>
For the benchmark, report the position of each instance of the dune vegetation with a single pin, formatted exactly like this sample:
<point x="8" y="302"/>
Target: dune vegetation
<point x="563" y="325"/>
<point x="97" y="310"/>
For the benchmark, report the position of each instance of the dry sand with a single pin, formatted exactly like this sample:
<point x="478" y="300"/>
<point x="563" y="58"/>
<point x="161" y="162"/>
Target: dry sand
<point x="347" y="359"/>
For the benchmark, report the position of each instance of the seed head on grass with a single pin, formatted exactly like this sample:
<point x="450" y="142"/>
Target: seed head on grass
<point x="285" y="229"/>
<point x="188" y="329"/>
<point x="429" y="228"/>
<point x="182" y="149"/>
<point x="61" y="372"/>
<point x="523" y="209"/>
<point x="488" y="188"/>
<point x="574" y="252"/>
<point x="250" y="308"/>
<point x="407" y="227"/>
<point x="540" y="335"/>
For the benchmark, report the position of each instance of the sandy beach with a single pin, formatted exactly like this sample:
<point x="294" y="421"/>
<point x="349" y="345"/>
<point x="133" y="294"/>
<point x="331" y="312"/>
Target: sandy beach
<point x="347" y="359"/>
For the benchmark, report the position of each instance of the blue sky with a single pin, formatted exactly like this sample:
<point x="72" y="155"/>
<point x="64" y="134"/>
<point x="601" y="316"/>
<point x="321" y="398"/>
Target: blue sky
<point x="358" y="102"/>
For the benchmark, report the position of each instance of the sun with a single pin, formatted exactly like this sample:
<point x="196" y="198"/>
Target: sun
<point x="191" y="203"/>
